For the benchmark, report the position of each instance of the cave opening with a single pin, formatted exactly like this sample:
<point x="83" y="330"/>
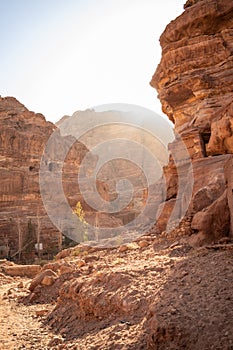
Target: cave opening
<point x="205" y="137"/>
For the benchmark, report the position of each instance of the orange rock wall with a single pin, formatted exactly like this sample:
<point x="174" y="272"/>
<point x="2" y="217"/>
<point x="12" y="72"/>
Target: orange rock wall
<point x="194" y="81"/>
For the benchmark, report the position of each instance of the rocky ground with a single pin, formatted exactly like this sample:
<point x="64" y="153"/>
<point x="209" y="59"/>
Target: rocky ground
<point x="150" y="294"/>
<point x="20" y="325"/>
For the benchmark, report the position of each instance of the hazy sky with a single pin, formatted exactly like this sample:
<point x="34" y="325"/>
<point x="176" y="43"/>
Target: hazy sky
<point x="59" y="56"/>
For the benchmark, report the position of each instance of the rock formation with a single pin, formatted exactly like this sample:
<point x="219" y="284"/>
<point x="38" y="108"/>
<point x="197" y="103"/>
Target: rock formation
<point x="22" y="217"/>
<point x="195" y="86"/>
<point x="24" y="222"/>
<point x="159" y="292"/>
<point x="121" y="152"/>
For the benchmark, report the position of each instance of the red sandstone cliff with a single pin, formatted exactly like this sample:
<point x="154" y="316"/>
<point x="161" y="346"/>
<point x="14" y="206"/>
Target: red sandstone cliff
<point x="23" y="219"/>
<point x="194" y="81"/>
<point x="22" y="138"/>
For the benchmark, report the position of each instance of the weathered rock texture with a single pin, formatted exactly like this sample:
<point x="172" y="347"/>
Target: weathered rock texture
<point x="194" y="81"/>
<point x="121" y="150"/>
<point x="229" y="181"/>
<point x="23" y="219"/>
<point x="23" y="135"/>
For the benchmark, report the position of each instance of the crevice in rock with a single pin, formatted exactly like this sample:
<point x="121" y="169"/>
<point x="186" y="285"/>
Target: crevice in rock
<point x="205" y="137"/>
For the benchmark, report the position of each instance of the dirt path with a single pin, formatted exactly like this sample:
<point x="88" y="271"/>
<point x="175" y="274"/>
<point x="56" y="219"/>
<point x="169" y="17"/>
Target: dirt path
<point x="20" y="327"/>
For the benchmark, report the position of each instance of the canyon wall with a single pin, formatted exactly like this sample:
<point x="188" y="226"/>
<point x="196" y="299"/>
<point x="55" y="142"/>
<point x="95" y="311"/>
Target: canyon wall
<point x="194" y="81"/>
<point x="23" y="219"/>
<point x="24" y="222"/>
<point x="22" y="138"/>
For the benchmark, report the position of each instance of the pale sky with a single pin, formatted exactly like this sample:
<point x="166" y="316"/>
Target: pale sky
<point x="60" y="56"/>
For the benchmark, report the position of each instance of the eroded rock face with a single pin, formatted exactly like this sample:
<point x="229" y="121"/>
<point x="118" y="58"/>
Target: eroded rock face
<point x="195" y="69"/>
<point x="228" y="170"/>
<point x="195" y="85"/>
<point x="213" y="223"/>
<point x="23" y="135"/>
<point x="23" y="218"/>
<point x="221" y="139"/>
<point x="124" y="159"/>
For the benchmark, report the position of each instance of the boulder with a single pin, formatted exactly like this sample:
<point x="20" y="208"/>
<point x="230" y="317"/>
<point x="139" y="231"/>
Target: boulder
<point x="208" y="182"/>
<point x="212" y="223"/>
<point x="29" y="271"/>
<point x="46" y="277"/>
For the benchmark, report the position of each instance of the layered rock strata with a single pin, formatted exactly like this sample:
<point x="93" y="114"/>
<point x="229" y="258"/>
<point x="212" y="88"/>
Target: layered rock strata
<point x="23" y="135"/>
<point x="194" y="81"/>
<point x="27" y="215"/>
<point x="25" y="228"/>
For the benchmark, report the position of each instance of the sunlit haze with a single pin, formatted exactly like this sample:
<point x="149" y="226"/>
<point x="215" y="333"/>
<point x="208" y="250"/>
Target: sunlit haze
<point x="59" y="56"/>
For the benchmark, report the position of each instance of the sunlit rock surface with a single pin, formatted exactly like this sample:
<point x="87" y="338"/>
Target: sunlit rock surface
<point x="194" y="81"/>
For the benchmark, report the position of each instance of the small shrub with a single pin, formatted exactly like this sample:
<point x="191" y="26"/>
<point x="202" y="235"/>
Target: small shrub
<point x="81" y="216"/>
